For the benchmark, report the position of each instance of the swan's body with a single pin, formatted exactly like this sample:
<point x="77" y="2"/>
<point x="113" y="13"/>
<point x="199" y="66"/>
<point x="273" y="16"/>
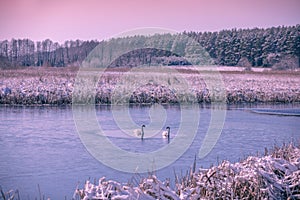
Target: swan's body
<point x="139" y="132"/>
<point x="166" y="133"/>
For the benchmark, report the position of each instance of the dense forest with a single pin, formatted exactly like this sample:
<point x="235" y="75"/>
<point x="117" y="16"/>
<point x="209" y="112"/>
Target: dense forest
<point x="270" y="47"/>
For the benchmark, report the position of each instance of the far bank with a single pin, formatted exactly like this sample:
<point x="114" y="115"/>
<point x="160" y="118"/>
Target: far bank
<point x="55" y="86"/>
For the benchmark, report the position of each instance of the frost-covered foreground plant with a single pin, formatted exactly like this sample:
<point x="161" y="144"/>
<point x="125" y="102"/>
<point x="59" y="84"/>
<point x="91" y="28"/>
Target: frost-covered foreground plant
<point x="9" y="195"/>
<point x="274" y="176"/>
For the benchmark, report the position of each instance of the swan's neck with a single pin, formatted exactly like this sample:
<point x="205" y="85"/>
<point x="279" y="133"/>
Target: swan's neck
<point x="142" y="136"/>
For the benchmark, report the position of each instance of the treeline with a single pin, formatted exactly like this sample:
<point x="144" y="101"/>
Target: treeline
<point x="261" y="47"/>
<point x="25" y="52"/>
<point x="154" y="50"/>
<point x="276" y="46"/>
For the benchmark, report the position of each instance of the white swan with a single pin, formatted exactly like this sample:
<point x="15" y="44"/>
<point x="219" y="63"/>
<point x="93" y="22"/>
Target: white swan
<point x="166" y="133"/>
<point x="139" y="132"/>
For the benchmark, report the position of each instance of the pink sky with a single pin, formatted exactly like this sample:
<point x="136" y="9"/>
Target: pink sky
<point x="60" y="20"/>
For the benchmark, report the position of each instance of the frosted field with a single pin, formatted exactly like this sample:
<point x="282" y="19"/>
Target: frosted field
<point x="182" y="84"/>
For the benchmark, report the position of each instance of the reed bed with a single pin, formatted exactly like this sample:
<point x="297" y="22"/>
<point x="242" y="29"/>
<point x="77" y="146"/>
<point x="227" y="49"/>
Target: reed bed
<point x="56" y="86"/>
<point x="275" y="175"/>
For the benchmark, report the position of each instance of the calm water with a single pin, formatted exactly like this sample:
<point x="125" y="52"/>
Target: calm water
<point x="40" y="145"/>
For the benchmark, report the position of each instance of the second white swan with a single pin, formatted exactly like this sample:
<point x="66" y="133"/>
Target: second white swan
<point x="139" y="132"/>
<point x="166" y="133"/>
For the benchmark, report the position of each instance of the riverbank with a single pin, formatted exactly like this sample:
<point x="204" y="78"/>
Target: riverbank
<point x="33" y="86"/>
<point x="273" y="176"/>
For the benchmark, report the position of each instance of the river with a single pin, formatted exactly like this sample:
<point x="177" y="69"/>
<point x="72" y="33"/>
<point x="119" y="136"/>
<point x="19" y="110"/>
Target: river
<point x="41" y="151"/>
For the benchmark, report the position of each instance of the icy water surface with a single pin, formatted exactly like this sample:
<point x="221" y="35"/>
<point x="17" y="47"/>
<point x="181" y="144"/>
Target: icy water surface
<point x="40" y="145"/>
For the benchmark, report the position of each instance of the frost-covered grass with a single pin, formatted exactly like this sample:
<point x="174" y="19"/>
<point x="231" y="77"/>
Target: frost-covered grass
<point x="276" y="175"/>
<point x="9" y="195"/>
<point x="116" y="85"/>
